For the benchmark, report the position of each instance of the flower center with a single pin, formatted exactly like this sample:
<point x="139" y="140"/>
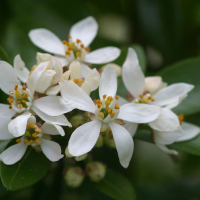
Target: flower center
<point x="20" y="98"/>
<point x="74" y="50"/>
<point x="31" y="136"/>
<point x="78" y="81"/>
<point x="107" y="108"/>
<point x="144" y="98"/>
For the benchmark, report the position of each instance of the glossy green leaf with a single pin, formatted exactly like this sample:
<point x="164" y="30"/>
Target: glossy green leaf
<point x="29" y="170"/>
<point x="190" y="146"/>
<point x="187" y="71"/>
<point x="4" y="55"/>
<point x="116" y="186"/>
<point x="3" y="145"/>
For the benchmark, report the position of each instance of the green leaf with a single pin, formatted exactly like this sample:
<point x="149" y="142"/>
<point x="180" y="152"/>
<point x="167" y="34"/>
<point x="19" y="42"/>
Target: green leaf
<point x="3" y="145"/>
<point x="185" y="71"/>
<point x="29" y="170"/>
<point x="116" y="186"/>
<point x="4" y="55"/>
<point x="190" y="146"/>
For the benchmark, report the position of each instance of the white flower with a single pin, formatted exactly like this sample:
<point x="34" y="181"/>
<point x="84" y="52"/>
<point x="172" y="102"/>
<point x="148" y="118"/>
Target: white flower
<point x="34" y="135"/>
<point x="22" y="98"/>
<point x="105" y="113"/>
<point x="166" y="137"/>
<point x="80" y="37"/>
<point x="152" y="91"/>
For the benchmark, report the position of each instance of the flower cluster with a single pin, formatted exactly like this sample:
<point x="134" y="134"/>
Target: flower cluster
<point x="41" y="100"/>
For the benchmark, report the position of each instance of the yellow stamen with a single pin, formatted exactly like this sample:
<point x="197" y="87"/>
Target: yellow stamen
<point x="116" y="97"/>
<point x="48" y="68"/>
<point x="18" y="140"/>
<point x="107" y="102"/>
<point x="67" y="52"/>
<point x="78" y="41"/>
<point x="12" y="101"/>
<point x="110" y="98"/>
<point x="104" y="96"/>
<point x="141" y="96"/>
<point x="16" y="86"/>
<point x="8" y="99"/>
<point x="149" y="98"/>
<point x="152" y="99"/>
<point x="31" y="125"/>
<point x="112" y="114"/>
<point x="24" y="88"/>
<point x="38" y="141"/>
<point x="31" y="142"/>
<point x="38" y="130"/>
<point x="34" y="135"/>
<point x="86" y="48"/>
<point x="26" y="141"/>
<point x="82" y="45"/>
<point x="101" y="115"/>
<point x="109" y="111"/>
<point x="180" y="118"/>
<point x="116" y="106"/>
<point x="17" y="94"/>
<point x="19" y="102"/>
<point x="10" y="107"/>
<point x="69" y="36"/>
<point x="24" y="101"/>
<point x="69" y="48"/>
<point x="78" y="54"/>
<point x="11" y="92"/>
<point x="99" y="106"/>
<point x="65" y="42"/>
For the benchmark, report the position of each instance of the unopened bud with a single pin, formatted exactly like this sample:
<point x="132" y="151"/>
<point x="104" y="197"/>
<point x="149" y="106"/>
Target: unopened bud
<point x="117" y="68"/>
<point x="78" y="120"/>
<point x="96" y="171"/>
<point x="82" y="157"/>
<point x="75" y="68"/>
<point x="99" y="142"/>
<point x="109" y="140"/>
<point x="68" y="155"/>
<point x="74" y="176"/>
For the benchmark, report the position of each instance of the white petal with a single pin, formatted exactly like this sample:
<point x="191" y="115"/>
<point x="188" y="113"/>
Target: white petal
<point x="47" y="41"/>
<point x="167" y="150"/>
<point x="62" y="59"/>
<point x="53" y="105"/>
<point x="85" y="30"/>
<point x="167" y="137"/>
<point x="124" y="143"/>
<point x="52" y="129"/>
<point x="17" y="126"/>
<point x="171" y="93"/>
<point x="51" y="91"/>
<point x="35" y="76"/>
<point x="86" y="87"/>
<point x="139" y="113"/>
<point x="4" y="132"/>
<point x="5" y="111"/>
<point x="60" y="119"/>
<point x="190" y="132"/>
<point x="8" y="78"/>
<point x="51" y="150"/>
<point x="167" y="121"/>
<point x="84" y="138"/>
<point x="131" y="127"/>
<point x="108" y="82"/>
<point x="20" y="69"/>
<point x="13" y="154"/>
<point x="59" y="71"/>
<point x="121" y="101"/>
<point x="72" y="92"/>
<point x="85" y="70"/>
<point x="45" y="81"/>
<point x="103" y="55"/>
<point x="132" y="74"/>
<point x="75" y="68"/>
<point x="93" y="78"/>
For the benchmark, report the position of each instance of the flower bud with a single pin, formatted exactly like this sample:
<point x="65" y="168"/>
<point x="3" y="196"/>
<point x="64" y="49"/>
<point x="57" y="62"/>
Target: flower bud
<point x="96" y="171"/>
<point x="82" y="157"/>
<point x="99" y="142"/>
<point x="68" y="155"/>
<point x="74" y="176"/>
<point x="78" y="120"/>
<point x="109" y="140"/>
<point x="117" y="68"/>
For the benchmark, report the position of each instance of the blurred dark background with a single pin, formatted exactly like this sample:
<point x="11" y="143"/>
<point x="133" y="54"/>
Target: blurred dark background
<point x="168" y="31"/>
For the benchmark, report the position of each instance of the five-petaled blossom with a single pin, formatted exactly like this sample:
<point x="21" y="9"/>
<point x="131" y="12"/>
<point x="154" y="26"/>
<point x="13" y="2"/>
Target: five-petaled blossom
<point x="80" y="37"/>
<point x="105" y="113"/>
<point x="35" y="135"/>
<point x="154" y="92"/>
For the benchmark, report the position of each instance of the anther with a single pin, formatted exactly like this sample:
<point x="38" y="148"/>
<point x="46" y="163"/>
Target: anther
<point x="116" y="97"/>
<point x="112" y="114"/>
<point x="31" y="142"/>
<point x="110" y="98"/>
<point x="78" y="54"/>
<point x="67" y="52"/>
<point x="149" y="98"/>
<point x="141" y="96"/>
<point x="16" y="86"/>
<point x="78" y="41"/>
<point x="180" y="118"/>
<point x="152" y="99"/>
<point x="26" y="141"/>
<point x="25" y="96"/>
<point x="65" y="42"/>
<point x="34" y="135"/>
<point x="82" y="45"/>
<point x="10" y="107"/>
<point x="109" y="111"/>
<point x="98" y="105"/>
<point x="19" y="102"/>
<point x="12" y="101"/>
<point x="38" y="130"/>
<point x="38" y="141"/>
<point x="104" y="96"/>
<point x="48" y="67"/>
<point x="31" y="126"/>
<point x="101" y="115"/>
<point x="24" y="101"/>
<point x="18" y="140"/>
<point x="86" y="48"/>
<point x="24" y="88"/>
<point x="69" y="36"/>
<point x="11" y="92"/>
<point x="8" y="99"/>
<point x="116" y="106"/>
<point x="69" y="49"/>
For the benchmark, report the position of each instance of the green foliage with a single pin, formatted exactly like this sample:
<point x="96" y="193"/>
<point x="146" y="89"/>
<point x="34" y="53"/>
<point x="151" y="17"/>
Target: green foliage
<point x="29" y="170"/>
<point x="116" y="186"/>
